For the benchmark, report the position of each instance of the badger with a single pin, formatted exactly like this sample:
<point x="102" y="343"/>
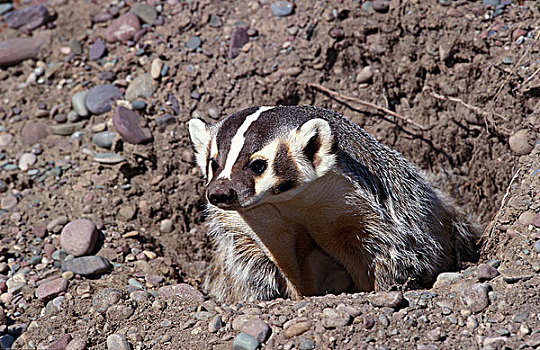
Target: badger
<point x="303" y="202"/>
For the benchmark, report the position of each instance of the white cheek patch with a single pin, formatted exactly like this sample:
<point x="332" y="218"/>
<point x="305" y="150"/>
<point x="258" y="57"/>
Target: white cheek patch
<point x="237" y="143"/>
<point x="199" y="134"/>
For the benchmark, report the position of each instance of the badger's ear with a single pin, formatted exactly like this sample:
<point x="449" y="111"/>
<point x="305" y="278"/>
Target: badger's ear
<point x="313" y="141"/>
<point x="200" y="136"/>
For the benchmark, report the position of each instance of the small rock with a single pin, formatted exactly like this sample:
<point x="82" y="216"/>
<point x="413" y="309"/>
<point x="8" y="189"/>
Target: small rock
<point x="127" y="124"/>
<point x="108" y="158"/>
<point x="106" y="297"/>
<point x="435" y="334"/>
<point x="282" y="8"/>
<point x="145" y="12"/>
<point x="138" y="105"/>
<point x="60" y="344"/>
<point x="123" y="28"/>
<point x="215" y="21"/>
<point x="215" y="324"/>
<point x="28" y="19"/>
<point x="365" y="75"/>
<point x="527" y="218"/>
<point x="100" y="97"/>
<point x="143" y="86"/>
<point x="257" y="329"/>
<point x="335" y="319"/>
<point x="104" y="139"/>
<point x="475" y="297"/>
<point x="78" y="102"/>
<point x="238" y="39"/>
<point x="387" y="299"/>
<point x="381" y="6"/>
<point x="79" y="237"/>
<point x="51" y="289"/>
<point x="166" y="226"/>
<point x="518" y="33"/>
<point x="87" y="265"/>
<point x="520" y="142"/>
<point x="76" y="344"/>
<point x="6" y="341"/>
<point x="5" y="139"/>
<point x="486" y="272"/>
<point x="13" y="51"/>
<point x="8" y="202"/>
<point x="102" y="17"/>
<point x="34" y="132"/>
<point x="26" y="161"/>
<point x="155" y="68"/>
<point x="446" y="279"/>
<point x="97" y="50"/>
<point x="119" y="313"/>
<point x="297" y="329"/>
<point x="494" y="3"/>
<point x="245" y="341"/>
<point x="306" y="344"/>
<point x="185" y="291"/>
<point x="66" y="129"/>
<point x="118" y="342"/>
<point x="193" y="43"/>
<point x="537" y="247"/>
<point x="59" y="221"/>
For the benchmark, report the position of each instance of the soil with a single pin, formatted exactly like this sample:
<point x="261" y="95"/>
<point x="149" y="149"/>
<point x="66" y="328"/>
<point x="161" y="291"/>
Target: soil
<point x="458" y="71"/>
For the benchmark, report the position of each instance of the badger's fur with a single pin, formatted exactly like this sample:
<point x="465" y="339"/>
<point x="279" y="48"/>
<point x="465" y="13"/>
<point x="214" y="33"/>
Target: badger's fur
<point x="304" y="202"/>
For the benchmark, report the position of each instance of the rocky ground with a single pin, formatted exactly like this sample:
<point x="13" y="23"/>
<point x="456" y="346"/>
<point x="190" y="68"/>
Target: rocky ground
<point x="102" y="229"/>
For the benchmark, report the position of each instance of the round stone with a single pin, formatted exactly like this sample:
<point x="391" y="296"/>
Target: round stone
<point x="282" y="8"/>
<point x="97" y="50"/>
<point x="141" y="87"/>
<point x="26" y="161"/>
<point x="8" y="202"/>
<point x="155" y="68"/>
<point x="100" y="97"/>
<point x="520" y="142"/>
<point x="104" y="139"/>
<point x="127" y="123"/>
<point x="79" y="237"/>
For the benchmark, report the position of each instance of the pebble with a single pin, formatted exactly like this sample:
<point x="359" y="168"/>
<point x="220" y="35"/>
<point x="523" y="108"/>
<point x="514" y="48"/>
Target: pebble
<point x="108" y="158"/>
<point x="445" y="279"/>
<point x="32" y="133"/>
<point x="123" y="28"/>
<point x="519" y="142"/>
<point x="215" y="324"/>
<point x="517" y="33"/>
<point x="138" y="105"/>
<point x="143" y="86"/>
<point x="257" y="329"/>
<point x="100" y="97"/>
<point x="486" y="3"/>
<point x="51" y="289"/>
<point x="106" y="297"/>
<point x="6" y="341"/>
<point x="381" y="5"/>
<point x="28" y="19"/>
<point x="127" y="124"/>
<point x="145" y="12"/>
<point x="537" y="247"/>
<point x="527" y="217"/>
<point x="475" y="297"/>
<point x="166" y="226"/>
<point x="185" y="291"/>
<point x="193" y="43"/>
<point x="334" y="319"/>
<point x="75" y="46"/>
<point x="297" y="329"/>
<point x="26" y="161"/>
<point x="78" y="102"/>
<point x="486" y="272"/>
<point x="61" y="343"/>
<point x="118" y="342"/>
<point x="8" y="202"/>
<point x="104" y="139"/>
<point x="66" y="129"/>
<point x="5" y="139"/>
<point x="365" y="75"/>
<point x="117" y="313"/>
<point x="102" y="17"/>
<point x="59" y="221"/>
<point x="97" y="50"/>
<point x="76" y="344"/>
<point x="79" y="237"/>
<point x="306" y="344"/>
<point x="282" y="8"/>
<point x="155" y="68"/>
<point x="239" y="38"/>
<point x="387" y="299"/>
<point x="245" y="341"/>
<point x="13" y="51"/>
<point x="215" y="21"/>
<point x="87" y="265"/>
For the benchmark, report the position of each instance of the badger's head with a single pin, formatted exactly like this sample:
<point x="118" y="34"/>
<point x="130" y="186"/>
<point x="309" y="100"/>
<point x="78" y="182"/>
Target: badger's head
<point x="261" y="154"/>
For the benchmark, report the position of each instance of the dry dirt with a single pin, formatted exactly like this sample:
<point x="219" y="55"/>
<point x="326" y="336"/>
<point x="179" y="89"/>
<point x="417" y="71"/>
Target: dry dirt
<point x="456" y="71"/>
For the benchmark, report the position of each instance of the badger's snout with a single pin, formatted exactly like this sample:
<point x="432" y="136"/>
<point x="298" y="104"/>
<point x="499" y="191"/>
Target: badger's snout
<point x="221" y="194"/>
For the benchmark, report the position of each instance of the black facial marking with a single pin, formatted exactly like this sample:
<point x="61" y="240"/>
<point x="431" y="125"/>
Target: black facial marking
<point x="285" y="170"/>
<point x="258" y="166"/>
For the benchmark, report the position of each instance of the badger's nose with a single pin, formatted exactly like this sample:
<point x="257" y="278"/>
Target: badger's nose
<point x="221" y="196"/>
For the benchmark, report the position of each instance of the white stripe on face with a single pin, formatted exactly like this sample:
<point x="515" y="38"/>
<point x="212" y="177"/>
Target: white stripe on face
<point x="237" y="142"/>
<point x="213" y="154"/>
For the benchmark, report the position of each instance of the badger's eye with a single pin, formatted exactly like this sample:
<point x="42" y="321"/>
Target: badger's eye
<point x="258" y="166"/>
<point x="214" y="165"/>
